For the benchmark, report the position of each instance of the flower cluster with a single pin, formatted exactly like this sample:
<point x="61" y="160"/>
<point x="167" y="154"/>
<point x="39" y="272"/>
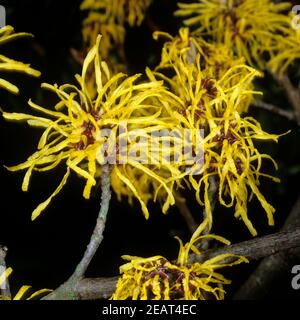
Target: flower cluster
<point x="215" y="57"/>
<point x="7" y="65"/>
<point x="160" y="279"/>
<point x="195" y="100"/>
<point x="213" y="97"/>
<point x="201" y="95"/>
<point x="181" y="52"/>
<point x="74" y="135"/>
<point x="249" y="28"/>
<point x="286" y="50"/>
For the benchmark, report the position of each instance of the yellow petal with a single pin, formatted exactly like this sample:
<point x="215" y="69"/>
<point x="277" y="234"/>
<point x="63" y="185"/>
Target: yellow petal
<point x="44" y="204"/>
<point x="9" y="86"/>
<point x="4" y="276"/>
<point x="21" y="292"/>
<point x="134" y="191"/>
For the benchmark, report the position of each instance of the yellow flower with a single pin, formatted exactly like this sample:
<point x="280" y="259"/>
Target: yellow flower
<point x="233" y="160"/>
<point x="147" y="188"/>
<point x="191" y="58"/>
<point x="286" y="50"/>
<point x="7" y="65"/>
<point x="112" y="37"/>
<point x="159" y="279"/>
<point x="215" y="106"/>
<point x="74" y="135"/>
<point x="247" y="27"/>
<point x="120" y="11"/>
<point x="109" y="17"/>
<point x="216" y="58"/>
<point x="22" y="291"/>
<point x="113" y="33"/>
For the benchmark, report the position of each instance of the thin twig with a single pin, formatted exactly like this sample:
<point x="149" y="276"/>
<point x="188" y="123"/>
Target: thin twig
<point x="291" y="92"/>
<point x="96" y="288"/>
<point x="262" y="279"/>
<point x="4" y="289"/>
<point x="97" y="235"/>
<point x="275" y="109"/>
<point x="67" y="290"/>
<point x="102" y="288"/>
<point x="256" y="248"/>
